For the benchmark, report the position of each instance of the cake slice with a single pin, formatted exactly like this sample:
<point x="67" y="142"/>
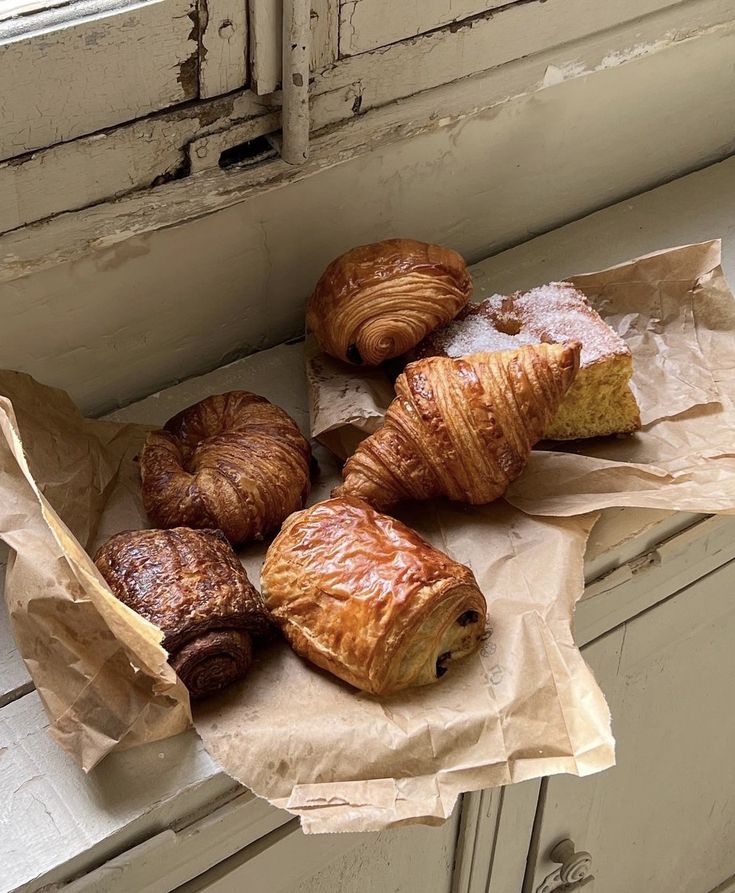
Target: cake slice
<point x="600" y="401"/>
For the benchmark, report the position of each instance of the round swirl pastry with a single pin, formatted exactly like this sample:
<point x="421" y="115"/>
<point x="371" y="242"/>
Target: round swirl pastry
<point x="378" y="301"/>
<point x="233" y="461"/>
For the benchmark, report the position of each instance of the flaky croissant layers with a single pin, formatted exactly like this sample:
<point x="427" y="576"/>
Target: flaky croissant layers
<point x="363" y="596"/>
<point x="378" y="301"/>
<point x="232" y="461"/>
<point x="461" y="428"/>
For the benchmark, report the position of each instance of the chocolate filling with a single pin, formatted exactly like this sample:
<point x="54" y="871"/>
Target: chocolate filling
<point x="440" y="670"/>
<point x="353" y="354"/>
<point x="468" y="617"/>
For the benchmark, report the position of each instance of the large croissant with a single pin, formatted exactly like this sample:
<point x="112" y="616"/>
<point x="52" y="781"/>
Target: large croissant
<point x="461" y="428"/>
<point x="378" y="301"/>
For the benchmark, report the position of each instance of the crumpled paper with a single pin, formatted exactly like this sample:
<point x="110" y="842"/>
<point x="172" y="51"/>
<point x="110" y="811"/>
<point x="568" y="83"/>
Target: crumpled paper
<point x="525" y="706"/>
<point x="98" y="667"/>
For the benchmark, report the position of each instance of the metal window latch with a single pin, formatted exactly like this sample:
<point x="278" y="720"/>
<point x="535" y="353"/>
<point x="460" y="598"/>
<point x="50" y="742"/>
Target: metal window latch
<point x="574" y="869"/>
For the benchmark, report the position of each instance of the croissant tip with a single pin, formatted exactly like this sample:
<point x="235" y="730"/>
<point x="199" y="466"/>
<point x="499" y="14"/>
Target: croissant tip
<point x="571" y="354"/>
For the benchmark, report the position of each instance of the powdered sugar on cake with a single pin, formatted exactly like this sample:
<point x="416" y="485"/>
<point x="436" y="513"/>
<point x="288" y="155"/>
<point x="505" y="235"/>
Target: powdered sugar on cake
<point x="556" y="312"/>
<point x="475" y="334"/>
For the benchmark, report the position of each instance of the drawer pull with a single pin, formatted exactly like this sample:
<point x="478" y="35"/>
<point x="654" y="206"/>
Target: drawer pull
<point x="574" y="870"/>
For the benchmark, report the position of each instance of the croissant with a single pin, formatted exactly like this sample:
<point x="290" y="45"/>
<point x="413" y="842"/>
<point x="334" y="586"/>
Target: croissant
<point x="191" y="585"/>
<point x="361" y="595"/>
<point x="378" y="301"/>
<point x="461" y="428"/>
<point x="233" y="461"/>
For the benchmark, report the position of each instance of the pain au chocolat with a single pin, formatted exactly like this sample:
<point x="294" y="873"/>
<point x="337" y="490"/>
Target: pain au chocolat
<point x="361" y="595"/>
<point x="461" y="428"/>
<point x="378" y="301"/>
<point x="234" y="462"/>
<point x="192" y="586"/>
<point x="600" y="401"/>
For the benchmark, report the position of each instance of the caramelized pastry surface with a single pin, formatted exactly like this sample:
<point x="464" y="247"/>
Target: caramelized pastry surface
<point x="461" y="428"/>
<point x="192" y="586"/>
<point x="364" y="597"/>
<point x="233" y="461"/>
<point x="378" y="301"/>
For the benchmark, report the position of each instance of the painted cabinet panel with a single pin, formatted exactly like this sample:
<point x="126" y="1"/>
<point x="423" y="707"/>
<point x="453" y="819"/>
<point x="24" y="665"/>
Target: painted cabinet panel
<point x="663" y="819"/>
<point x="288" y="861"/>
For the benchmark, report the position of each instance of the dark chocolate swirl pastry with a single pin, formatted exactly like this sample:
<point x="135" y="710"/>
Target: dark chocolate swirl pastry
<point x="192" y="586"/>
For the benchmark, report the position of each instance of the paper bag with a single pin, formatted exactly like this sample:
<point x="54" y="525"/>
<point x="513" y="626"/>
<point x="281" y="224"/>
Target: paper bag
<point x="99" y="668"/>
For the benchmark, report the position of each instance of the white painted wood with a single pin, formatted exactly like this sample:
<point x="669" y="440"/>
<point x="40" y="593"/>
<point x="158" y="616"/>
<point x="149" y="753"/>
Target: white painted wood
<point x="13" y="8"/>
<point x="205" y="152"/>
<point x="172" y="858"/>
<point x="368" y="24"/>
<point x="280" y="860"/>
<point x="399" y="859"/>
<point x="652" y="576"/>
<point x="664" y="818"/>
<point x="131" y="157"/>
<point x="95" y="72"/>
<point x="136" y="155"/>
<point x="262" y="258"/>
<point x="295" y="124"/>
<point x="266" y="27"/>
<point x="515" y="31"/>
<point x="613" y="528"/>
<point x="470" y="817"/>
<point x="324" y="33"/>
<point x="513" y="836"/>
<point x="475" y="849"/>
<point x="56" y="822"/>
<point x="14" y="679"/>
<point x="224" y="47"/>
<point x="265" y="45"/>
<point x="288" y="861"/>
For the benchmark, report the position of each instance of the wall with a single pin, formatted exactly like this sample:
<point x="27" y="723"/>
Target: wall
<point x="126" y="319"/>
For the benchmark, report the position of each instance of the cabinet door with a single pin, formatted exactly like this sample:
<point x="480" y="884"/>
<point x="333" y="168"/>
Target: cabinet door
<point x="662" y="820"/>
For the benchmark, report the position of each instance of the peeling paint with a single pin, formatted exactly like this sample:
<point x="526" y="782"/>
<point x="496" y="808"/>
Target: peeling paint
<point x="188" y="76"/>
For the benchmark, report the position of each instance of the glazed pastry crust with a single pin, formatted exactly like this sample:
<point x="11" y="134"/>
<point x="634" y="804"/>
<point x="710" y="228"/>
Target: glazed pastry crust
<point x="378" y="301"/>
<point x="363" y="596"/>
<point x="233" y="461"/>
<point x="192" y="586"/>
<point x="461" y="428"/>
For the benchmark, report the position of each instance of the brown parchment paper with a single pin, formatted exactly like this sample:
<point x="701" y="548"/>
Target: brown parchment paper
<point x="98" y="667"/>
